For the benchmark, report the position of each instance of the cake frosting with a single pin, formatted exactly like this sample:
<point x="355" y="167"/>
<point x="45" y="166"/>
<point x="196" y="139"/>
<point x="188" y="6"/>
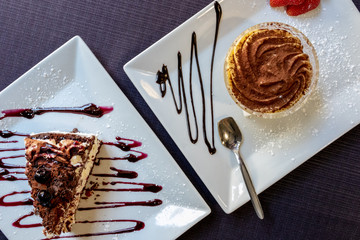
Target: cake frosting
<point x="267" y="70"/>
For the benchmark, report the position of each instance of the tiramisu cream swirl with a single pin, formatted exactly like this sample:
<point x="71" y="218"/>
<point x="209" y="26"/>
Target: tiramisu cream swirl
<point x="267" y="70"/>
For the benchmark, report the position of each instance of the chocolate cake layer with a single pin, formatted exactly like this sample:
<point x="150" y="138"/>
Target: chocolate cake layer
<point x="58" y="165"/>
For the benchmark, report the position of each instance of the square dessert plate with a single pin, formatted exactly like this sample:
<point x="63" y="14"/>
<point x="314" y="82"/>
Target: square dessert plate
<point x="272" y="147"/>
<point x="72" y="76"/>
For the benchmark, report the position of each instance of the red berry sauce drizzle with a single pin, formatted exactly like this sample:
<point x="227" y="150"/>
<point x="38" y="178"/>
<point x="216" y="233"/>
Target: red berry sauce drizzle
<point x="13" y="172"/>
<point x="89" y="109"/>
<point x="9" y="172"/>
<point x="138" y="226"/>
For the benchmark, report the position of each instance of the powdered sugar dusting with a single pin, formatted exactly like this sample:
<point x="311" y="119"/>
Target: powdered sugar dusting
<point x="51" y="79"/>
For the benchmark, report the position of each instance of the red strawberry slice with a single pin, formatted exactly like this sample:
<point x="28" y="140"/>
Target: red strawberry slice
<point x="306" y="6"/>
<point x="281" y="3"/>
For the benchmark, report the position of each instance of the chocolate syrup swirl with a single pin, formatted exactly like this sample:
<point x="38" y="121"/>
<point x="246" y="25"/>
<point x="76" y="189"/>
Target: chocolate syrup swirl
<point x="163" y="76"/>
<point x="89" y="109"/>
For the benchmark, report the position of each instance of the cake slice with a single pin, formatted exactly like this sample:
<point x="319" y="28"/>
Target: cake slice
<point x="58" y="166"/>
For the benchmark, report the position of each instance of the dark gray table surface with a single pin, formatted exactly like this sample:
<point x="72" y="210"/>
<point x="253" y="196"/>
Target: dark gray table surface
<point x="318" y="200"/>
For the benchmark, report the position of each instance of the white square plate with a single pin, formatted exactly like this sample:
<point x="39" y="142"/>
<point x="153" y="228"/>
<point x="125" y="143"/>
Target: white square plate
<point x="72" y="76"/>
<point x="272" y="147"/>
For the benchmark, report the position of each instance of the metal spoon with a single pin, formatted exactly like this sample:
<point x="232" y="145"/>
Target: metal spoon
<point x="231" y="137"/>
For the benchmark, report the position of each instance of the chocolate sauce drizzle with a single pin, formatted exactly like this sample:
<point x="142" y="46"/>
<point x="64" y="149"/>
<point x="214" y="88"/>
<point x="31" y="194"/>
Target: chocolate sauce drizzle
<point x="8" y="172"/>
<point x="89" y="109"/>
<point x="163" y="76"/>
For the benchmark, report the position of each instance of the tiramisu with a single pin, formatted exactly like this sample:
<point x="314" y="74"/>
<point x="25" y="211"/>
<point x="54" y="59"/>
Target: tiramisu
<point x="267" y="70"/>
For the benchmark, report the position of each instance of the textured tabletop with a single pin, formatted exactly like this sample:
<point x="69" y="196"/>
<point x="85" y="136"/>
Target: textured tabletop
<point x="318" y="200"/>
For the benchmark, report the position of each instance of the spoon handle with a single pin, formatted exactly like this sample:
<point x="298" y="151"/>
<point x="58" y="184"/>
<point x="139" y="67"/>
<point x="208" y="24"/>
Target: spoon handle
<point x="250" y="187"/>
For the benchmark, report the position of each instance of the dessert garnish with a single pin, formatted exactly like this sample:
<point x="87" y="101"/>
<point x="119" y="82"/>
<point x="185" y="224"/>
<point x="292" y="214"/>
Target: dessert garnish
<point x="296" y="7"/>
<point x="306" y="6"/>
<point x="283" y="3"/>
<point x="163" y="77"/>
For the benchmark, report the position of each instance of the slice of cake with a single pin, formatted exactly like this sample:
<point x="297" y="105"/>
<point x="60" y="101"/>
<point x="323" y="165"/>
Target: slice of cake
<point x="58" y="166"/>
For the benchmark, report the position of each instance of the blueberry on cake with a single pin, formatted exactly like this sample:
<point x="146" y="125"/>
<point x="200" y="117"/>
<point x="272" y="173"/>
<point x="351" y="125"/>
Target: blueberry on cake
<point x="58" y="166"/>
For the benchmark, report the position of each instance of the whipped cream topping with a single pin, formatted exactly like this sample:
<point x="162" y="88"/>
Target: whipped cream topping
<point x="268" y="71"/>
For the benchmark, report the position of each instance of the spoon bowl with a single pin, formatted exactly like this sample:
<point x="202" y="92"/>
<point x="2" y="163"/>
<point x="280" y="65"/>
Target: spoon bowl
<point x="231" y="137"/>
<point x="230" y="134"/>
